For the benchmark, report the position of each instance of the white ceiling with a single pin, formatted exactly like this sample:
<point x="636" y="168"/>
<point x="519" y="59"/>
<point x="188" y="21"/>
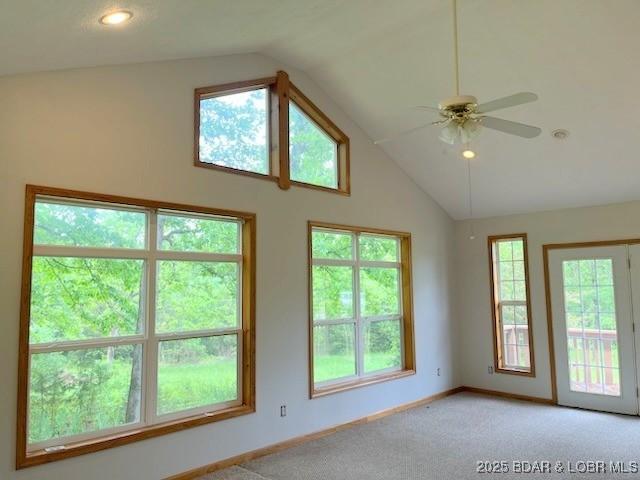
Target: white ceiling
<point x="378" y="58"/>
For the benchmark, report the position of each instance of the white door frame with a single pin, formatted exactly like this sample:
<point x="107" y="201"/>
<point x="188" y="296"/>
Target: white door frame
<point x="634" y="255"/>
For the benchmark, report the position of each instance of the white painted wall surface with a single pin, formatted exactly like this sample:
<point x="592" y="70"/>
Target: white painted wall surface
<point x="127" y="130"/>
<point x="473" y="303"/>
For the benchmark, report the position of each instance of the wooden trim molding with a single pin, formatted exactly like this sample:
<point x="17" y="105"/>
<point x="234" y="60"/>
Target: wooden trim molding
<point x="408" y="341"/>
<point x="24" y="458"/>
<point x="280" y="91"/>
<point x="293" y="442"/>
<point x="547" y="292"/>
<point x="495" y="314"/>
<point x="277" y="447"/>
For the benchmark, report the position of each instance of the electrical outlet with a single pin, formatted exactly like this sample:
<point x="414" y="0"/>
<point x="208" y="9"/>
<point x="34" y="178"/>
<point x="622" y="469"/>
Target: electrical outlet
<point x="490" y="369"/>
<point x="283" y="410"/>
<point x="438" y="371"/>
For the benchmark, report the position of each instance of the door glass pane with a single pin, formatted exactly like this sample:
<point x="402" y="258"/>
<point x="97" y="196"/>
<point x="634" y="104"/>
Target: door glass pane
<point x="196" y="296"/>
<point x="233" y="131"/>
<point x="333" y="352"/>
<point x="83" y="391"/>
<point x="82" y="298"/>
<point x="382" y="345"/>
<point x="592" y="339"/>
<point x="197" y="372"/>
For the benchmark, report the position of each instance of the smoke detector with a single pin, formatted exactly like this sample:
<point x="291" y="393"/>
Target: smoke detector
<point x="560" y="134"/>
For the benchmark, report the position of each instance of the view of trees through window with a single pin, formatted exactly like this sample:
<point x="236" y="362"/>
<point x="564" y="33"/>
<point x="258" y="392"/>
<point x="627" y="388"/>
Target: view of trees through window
<point x="511" y="291"/>
<point x="357" y="314"/>
<point x="234" y="133"/>
<point x="92" y="322"/>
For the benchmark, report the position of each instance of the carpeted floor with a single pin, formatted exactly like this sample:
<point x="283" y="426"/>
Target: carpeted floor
<point x="447" y="439"/>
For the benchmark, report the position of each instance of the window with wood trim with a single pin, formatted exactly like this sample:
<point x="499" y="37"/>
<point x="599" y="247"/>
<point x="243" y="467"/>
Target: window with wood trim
<point x="361" y="323"/>
<point x="513" y="336"/>
<point x="269" y="129"/>
<point x="137" y="320"/>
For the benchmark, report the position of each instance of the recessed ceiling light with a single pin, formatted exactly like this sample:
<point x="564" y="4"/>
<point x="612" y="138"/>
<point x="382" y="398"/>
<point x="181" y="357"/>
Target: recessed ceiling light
<point x="116" y="18"/>
<point x="560" y="134"/>
<point x="469" y="154"/>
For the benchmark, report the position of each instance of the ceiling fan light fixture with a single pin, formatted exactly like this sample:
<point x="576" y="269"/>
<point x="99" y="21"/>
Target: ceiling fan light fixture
<point x="116" y="18"/>
<point x="468" y="154"/>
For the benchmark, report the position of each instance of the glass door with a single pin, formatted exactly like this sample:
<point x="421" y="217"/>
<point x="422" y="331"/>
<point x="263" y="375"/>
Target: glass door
<point x="593" y="328"/>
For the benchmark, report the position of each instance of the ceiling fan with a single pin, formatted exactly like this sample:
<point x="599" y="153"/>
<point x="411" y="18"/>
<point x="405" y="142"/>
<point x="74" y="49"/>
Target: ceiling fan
<point x="462" y="117"/>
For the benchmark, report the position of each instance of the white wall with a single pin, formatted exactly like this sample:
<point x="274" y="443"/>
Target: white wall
<point x="473" y="304"/>
<point x="127" y="130"/>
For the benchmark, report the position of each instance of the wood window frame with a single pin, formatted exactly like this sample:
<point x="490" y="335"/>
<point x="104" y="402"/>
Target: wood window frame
<point x="25" y="458"/>
<point x="280" y="92"/>
<point x="407" y="321"/>
<point x="498" y="365"/>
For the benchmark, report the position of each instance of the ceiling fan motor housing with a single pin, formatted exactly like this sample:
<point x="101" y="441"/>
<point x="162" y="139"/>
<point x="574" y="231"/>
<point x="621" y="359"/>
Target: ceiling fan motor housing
<point x="459" y="106"/>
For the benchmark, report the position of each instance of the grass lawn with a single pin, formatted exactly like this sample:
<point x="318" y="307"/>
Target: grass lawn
<point x="329" y="367"/>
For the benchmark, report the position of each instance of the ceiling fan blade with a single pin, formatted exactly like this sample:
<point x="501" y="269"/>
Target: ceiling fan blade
<point x="510" y="101"/>
<point x="512" y="128"/>
<point x="405" y="133"/>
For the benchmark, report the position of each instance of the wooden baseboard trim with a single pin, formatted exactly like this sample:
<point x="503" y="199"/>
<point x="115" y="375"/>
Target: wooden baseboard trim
<point x="261" y="452"/>
<point x="513" y="396"/>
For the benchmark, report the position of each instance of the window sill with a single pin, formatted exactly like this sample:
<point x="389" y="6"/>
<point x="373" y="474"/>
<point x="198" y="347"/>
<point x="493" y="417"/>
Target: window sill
<point x="39" y="457"/>
<point x="522" y="373"/>
<point x="361" y="382"/>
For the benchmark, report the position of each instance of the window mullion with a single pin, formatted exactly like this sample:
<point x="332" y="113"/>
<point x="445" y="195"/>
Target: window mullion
<point x="151" y="345"/>
<point x="356" y="285"/>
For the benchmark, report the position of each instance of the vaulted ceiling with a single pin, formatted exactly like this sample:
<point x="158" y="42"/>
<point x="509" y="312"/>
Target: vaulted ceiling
<point x="379" y="58"/>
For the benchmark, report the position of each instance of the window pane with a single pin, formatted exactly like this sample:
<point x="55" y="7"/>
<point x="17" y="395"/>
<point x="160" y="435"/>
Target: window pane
<point x="382" y="345"/>
<point x="83" y="391"/>
<point x="234" y="129"/>
<point x="332" y="292"/>
<point x="333" y="352"/>
<point x="80" y="298"/>
<point x="378" y="248"/>
<point x="505" y="251"/>
<point x="197" y="234"/>
<point x="83" y="226"/>
<point x="197" y="372"/>
<point x="196" y="296"/>
<point x="313" y="155"/>
<point x="332" y="245"/>
<point x="379" y="291"/>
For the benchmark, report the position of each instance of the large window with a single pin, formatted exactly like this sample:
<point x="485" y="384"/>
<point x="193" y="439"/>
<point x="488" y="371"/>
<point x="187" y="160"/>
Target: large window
<point x="269" y="129"/>
<point x="513" y="338"/>
<point x="361" y="311"/>
<point x="137" y="320"/>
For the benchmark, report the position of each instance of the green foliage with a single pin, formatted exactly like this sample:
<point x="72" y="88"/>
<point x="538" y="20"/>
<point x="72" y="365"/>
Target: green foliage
<point x="79" y="298"/>
<point x="197" y="372"/>
<point x="60" y="224"/>
<point x="379" y="291"/>
<point x="196" y="296"/>
<point x="378" y="248"/>
<point x="332" y="292"/>
<point x="382" y="345"/>
<point x="332" y="245"/>
<point x="313" y="155"/>
<point x="234" y="129"/>
<point x="79" y="391"/>
<point x="191" y="234"/>
<point x="75" y="298"/>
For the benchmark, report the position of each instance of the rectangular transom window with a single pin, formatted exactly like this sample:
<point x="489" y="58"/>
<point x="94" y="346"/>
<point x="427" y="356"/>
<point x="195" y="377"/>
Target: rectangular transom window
<point x="361" y="323"/>
<point x="269" y="129"/>
<point x="137" y="320"/>
<point x="513" y="336"/>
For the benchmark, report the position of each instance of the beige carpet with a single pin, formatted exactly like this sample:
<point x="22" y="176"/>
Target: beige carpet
<point x="446" y="439"/>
